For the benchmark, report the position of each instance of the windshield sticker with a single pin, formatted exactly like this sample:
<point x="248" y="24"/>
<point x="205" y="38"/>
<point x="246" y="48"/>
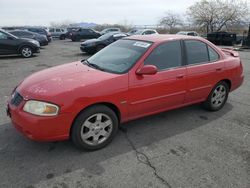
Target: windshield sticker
<point x="142" y="44"/>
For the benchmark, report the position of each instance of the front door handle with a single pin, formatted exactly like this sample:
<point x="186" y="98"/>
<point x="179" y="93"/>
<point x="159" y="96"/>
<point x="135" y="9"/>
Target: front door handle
<point x="219" y="69"/>
<point x="180" y="76"/>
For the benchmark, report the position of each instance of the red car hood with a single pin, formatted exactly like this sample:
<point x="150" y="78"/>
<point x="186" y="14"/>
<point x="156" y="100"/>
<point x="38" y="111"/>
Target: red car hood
<point x="49" y="83"/>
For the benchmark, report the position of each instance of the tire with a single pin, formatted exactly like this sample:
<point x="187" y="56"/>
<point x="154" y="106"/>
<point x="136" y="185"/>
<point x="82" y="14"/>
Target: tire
<point x="75" y="39"/>
<point x="99" y="47"/>
<point x="217" y="97"/>
<point x="62" y="37"/>
<point x="26" y="51"/>
<point x="90" y="126"/>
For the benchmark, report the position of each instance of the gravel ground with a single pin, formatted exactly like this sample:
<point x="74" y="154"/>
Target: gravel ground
<point x="187" y="147"/>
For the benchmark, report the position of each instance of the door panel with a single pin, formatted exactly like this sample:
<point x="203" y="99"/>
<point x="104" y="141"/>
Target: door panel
<point x="8" y="46"/>
<point x="201" y="79"/>
<point x="166" y="89"/>
<point x="204" y="68"/>
<point x="153" y="93"/>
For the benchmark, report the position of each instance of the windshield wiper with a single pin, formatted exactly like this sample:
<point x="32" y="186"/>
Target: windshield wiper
<point x="86" y="62"/>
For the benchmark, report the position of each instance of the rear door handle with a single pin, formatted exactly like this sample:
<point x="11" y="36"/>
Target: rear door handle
<point x="180" y="76"/>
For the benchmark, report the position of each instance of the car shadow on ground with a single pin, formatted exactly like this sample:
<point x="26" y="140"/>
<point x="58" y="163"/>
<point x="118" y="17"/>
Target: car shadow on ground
<point x="10" y="57"/>
<point x="22" y="156"/>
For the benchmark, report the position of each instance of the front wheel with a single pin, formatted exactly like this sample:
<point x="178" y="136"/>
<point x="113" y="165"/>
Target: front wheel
<point x="218" y="97"/>
<point x="94" y="128"/>
<point x="26" y="51"/>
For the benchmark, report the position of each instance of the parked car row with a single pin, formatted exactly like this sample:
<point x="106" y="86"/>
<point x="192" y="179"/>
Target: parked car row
<point x="42" y="39"/>
<point x="111" y="35"/>
<point x="11" y="44"/>
<point x="94" y="45"/>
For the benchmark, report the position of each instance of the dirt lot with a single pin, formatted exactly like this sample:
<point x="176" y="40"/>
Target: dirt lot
<point x="188" y="147"/>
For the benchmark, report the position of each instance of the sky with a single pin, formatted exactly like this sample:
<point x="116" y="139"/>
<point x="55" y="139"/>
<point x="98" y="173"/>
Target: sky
<point x="43" y="12"/>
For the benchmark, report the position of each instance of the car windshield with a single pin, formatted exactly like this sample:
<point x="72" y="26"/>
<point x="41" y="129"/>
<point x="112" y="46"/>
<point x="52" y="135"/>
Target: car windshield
<point x="12" y="35"/>
<point x="120" y="56"/>
<point x="104" y="30"/>
<point x="181" y="33"/>
<point x="138" y="32"/>
<point x="132" y="31"/>
<point x="107" y="36"/>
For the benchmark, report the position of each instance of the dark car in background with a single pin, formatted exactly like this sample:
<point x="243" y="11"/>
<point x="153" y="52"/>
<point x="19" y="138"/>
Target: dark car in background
<point x="41" y="31"/>
<point x="222" y="38"/>
<point x="10" y="44"/>
<point x="42" y="39"/>
<point x="70" y="30"/>
<point x="94" y="45"/>
<point x="84" y="34"/>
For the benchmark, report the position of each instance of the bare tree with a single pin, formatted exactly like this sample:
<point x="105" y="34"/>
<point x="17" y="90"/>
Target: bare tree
<point x="170" y="20"/>
<point x="216" y="14"/>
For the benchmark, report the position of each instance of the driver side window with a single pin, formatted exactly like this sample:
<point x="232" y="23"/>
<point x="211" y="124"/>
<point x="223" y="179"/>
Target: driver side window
<point x="165" y="56"/>
<point x="3" y="36"/>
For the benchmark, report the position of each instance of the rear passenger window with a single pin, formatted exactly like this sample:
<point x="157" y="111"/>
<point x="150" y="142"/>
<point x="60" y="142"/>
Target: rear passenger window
<point x="196" y="52"/>
<point x="167" y="55"/>
<point x="214" y="56"/>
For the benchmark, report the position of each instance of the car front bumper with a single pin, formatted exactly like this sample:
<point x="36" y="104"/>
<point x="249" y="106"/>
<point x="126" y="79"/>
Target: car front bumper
<point x="36" y="49"/>
<point x="40" y="128"/>
<point x="43" y="43"/>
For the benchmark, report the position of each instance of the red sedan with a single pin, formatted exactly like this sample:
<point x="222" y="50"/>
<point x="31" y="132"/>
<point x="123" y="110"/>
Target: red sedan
<point x="131" y="78"/>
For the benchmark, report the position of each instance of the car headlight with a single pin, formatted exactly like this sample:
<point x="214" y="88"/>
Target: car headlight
<point x="41" y="108"/>
<point x="91" y="44"/>
<point x="36" y="43"/>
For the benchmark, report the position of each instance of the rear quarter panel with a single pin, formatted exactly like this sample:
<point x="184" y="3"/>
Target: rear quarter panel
<point x="233" y="71"/>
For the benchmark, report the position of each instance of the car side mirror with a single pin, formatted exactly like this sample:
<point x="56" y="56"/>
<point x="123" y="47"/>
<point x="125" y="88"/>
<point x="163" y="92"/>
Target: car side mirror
<point x="147" y="70"/>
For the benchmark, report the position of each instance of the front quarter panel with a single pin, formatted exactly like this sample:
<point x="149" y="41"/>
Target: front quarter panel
<point x="113" y="91"/>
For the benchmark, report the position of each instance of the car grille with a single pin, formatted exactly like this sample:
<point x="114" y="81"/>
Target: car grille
<point x="16" y="99"/>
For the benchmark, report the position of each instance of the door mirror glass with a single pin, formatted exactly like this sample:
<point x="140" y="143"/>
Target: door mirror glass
<point x="147" y="70"/>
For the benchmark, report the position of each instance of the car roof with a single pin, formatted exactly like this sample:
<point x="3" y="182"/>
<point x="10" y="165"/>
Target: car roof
<point x="145" y="29"/>
<point x="187" y="32"/>
<point x="161" y="37"/>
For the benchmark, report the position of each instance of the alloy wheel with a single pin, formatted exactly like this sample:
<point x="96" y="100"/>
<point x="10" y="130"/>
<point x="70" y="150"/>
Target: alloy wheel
<point x="96" y="129"/>
<point x="218" y="96"/>
<point x="26" y="52"/>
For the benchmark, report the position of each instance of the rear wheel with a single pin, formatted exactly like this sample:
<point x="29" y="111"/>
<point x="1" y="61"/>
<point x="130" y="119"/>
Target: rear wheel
<point x="75" y="38"/>
<point x="218" y="97"/>
<point x="94" y="128"/>
<point x="26" y="51"/>
<point x="62" y="37"/>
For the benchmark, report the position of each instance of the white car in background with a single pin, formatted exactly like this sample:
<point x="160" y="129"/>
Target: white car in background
<point x="189" y="33"/>
<point x="145" y="32"/>
<point x="58" y="33"/>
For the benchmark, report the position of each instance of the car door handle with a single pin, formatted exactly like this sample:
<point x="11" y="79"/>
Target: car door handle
<point x="219" y="69"/>
<point x="180" y="76"/>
